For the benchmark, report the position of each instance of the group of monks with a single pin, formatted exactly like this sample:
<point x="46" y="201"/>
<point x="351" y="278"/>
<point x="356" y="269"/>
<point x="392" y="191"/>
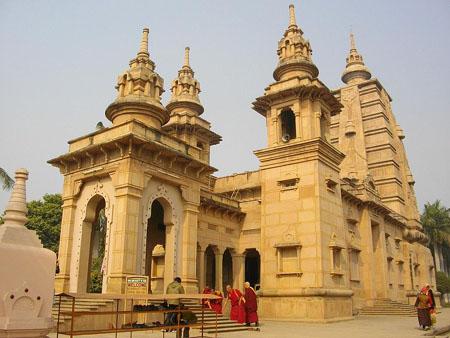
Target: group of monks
<point x="244" y="307"/>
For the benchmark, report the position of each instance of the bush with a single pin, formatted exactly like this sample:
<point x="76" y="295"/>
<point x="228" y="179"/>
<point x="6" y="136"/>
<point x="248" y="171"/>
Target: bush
<point x="442" y="282"/>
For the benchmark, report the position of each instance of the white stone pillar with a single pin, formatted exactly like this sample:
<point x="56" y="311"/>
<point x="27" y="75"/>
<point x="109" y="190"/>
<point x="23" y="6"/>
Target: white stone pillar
<point x="238" y="271"/>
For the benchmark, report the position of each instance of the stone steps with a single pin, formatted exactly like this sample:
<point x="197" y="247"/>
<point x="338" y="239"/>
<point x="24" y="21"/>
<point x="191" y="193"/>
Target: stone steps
<point x="224" y="324"/>
<point x="383" y="307"/>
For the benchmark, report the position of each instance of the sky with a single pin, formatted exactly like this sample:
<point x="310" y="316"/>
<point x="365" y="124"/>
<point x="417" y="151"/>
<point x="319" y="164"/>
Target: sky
<point x="59" y="61"/>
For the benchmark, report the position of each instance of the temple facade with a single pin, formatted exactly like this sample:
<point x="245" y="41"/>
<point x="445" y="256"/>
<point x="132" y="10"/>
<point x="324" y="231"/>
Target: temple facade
<point x="327" y="224"/>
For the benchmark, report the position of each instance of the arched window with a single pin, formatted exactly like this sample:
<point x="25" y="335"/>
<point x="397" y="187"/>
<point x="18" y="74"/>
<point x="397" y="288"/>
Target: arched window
<point x="288" y="131"/>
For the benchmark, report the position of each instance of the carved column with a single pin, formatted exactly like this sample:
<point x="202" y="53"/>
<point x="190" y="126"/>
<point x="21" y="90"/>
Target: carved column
<point x="201" y="265"/>
<point x="66" y="242"/>
<point x="128" y="199"/>
<point x="219" y="269"/>
<point x="191" y="199"/>
<point x="238" y="271"/>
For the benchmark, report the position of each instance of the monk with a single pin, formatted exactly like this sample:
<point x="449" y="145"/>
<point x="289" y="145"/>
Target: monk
<point x="251" y="305"/>
<point x="205" y="302"/>
<point x="216" y="304"/>
<point x="237" y="301"/>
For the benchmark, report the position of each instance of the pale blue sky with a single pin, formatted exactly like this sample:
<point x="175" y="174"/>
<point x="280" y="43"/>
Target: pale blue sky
<point x="59" y="61"/>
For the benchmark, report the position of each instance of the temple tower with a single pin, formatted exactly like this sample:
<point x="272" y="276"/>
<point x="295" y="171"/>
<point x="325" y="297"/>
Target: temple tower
<point x="144" y="180"/>
<point x="302" y="232"/>
<point x="185" y="109"/>
<point x="139" y="92"/>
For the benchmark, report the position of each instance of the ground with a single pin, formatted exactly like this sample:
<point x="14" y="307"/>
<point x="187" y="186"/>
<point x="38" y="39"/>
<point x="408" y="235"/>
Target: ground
<point x="360" y="327"/>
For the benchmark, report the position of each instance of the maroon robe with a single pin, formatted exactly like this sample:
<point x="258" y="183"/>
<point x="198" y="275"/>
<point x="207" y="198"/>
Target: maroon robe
<point x="237" y="312"/>
<point x="216" y="304"/>
<point x="251" y="305"/>
<point x="206" y="291"/>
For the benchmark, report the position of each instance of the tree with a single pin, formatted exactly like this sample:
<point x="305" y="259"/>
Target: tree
<point x="6" y="181"/>
<point x="436" y="224"/>
<point x="44" y="216"/>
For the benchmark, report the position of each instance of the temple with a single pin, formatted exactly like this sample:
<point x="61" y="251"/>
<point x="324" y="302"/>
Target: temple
<point x="326" y="225"/>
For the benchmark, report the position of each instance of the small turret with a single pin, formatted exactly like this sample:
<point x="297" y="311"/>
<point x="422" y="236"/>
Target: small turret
<point x="355" y="70"/>
<point x="185" y="90"/>
<point x="139" y="91"/>
<point x="294" y="53"/>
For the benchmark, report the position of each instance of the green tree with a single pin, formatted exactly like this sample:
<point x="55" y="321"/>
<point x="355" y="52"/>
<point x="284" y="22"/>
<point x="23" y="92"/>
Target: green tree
<point x="436" y="224"/>
<point x="44" y="216"/>
<point x="6" y="181"/>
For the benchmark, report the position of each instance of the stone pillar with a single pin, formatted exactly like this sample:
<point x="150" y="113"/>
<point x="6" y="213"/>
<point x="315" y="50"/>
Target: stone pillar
<point x="191" y="204"/>
<point x="124" y="236"/>
<point x="65" y="244"/>
<point x="27" y="272"/>
<point x="238" y="271"/>
<point x="201" y="273"/>
<point x="219" y="262"/>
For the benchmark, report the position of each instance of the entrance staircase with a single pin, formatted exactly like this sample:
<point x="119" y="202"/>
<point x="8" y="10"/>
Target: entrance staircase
<point x="80" y="305"/>
<point x="386" y="306"/>
<point x="209" y="317"/>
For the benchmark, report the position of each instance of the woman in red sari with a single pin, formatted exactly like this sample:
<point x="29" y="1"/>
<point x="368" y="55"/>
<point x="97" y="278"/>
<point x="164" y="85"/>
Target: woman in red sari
<point x="251" y="305"/>
<point x="216" y="304"/>
<point x="237" y="301"/>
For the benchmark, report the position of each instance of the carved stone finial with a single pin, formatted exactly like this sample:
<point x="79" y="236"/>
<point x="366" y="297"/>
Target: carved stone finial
<point x="16" y="210"/>
<point x="185" y="90"/>
<point x="355" y="70"/>
<point x="186" y="57"/>
<point x="143" y="50"/>
<point x="294" y="53"/>
<point x="292" y="21"/>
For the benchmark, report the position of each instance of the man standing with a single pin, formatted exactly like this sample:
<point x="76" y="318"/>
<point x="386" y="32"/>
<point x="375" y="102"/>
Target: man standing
<point x="173" y="288"/>
<point x="251" y="305"/>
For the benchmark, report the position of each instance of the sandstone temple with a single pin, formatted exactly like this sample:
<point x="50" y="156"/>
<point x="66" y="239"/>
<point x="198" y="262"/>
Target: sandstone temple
<point x="326" y="225"/>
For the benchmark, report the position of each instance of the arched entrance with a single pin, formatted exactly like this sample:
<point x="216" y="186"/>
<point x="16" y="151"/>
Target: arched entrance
<point x="155" y="247"/>
<point x="210" y="267"/>
<point x="227" y="269"/>
<point x="252" y="267"/>
<point x="92" y="247"/>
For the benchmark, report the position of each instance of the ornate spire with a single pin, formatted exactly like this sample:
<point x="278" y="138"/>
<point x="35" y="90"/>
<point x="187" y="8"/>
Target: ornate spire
<point x="294" y="53"/>
<point x="16" y="210"/>
<point x="292" y="22"/>
<point x="185" y="89"/>
<point x="355" y="70"/>
<point x="139" y="91"/>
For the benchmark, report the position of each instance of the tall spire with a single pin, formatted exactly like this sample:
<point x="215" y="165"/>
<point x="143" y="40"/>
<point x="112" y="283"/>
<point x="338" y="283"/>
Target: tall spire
<point x="139" y="91"/>
<point x="292" y="21"/>
<point x="143" y="50"/>
<point x="294" y="53"/>
<point x="355" y="70"/>
<point x="186" y="57"/>
<point x="185" y="89"/>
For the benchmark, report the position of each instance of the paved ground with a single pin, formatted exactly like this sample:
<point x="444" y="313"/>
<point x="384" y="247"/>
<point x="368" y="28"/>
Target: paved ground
<point x="361" y="327"/>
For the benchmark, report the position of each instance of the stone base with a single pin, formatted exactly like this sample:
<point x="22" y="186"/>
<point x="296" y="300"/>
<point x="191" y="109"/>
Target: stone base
<point x="308" y="309"/>
<point x="24" y="333"/>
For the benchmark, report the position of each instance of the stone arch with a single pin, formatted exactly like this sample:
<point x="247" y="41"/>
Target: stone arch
<point x="171" y="221"/>
<point x="287" y="124"/>
<point x="227" y="268"/>
<point x="83" y="252"/>
<point x="252" y="266"/>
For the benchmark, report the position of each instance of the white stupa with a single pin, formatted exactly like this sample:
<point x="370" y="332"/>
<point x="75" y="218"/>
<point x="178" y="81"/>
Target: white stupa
<point x="27" y="272"/>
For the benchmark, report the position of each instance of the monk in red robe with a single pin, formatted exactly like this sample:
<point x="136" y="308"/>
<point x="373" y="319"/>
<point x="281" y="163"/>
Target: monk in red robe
<point x="205" y="302"/>
<point x="216" y="304"/>
<point x="251" y="305"/>
<point x="237" y="301"/>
